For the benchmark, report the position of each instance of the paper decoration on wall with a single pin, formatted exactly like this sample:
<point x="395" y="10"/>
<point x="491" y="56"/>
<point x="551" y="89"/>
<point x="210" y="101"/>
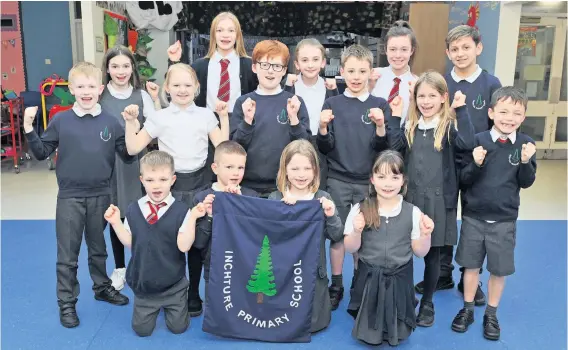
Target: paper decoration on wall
<point x="5" y="76"/>
<point x="7" y="42"/>
<point x="526" y="46"/>
<point x="115" y="29"/>
<point x="145" y="69"/>
<point x="473" y="15"/>
<point x="161" y="15"/>
<point x="13" y="70"/>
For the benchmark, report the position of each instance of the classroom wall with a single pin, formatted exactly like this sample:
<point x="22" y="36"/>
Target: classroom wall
<point x="47" y="35"/>
<point x="12" y="68"/>
<point x="485" y="16"/>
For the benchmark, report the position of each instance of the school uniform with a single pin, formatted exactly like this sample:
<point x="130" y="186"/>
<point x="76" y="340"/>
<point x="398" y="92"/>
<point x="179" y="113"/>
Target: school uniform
<point x="126" y="187"/>
<point x="491" y="202"/>
<point x="478" y="88"/>
<point x="242" y="81"/>
<point x="203" y="231"/>
<point x="351" y="146"/>
<point x="389" y="83"/>
<point x="314" y="96"/>
<point x="156" y="271"/>
<point x="382" y="301"/>
<point x="267" y="137"/>
<point x="87" y="147"/>
<point x="321" y="309"/>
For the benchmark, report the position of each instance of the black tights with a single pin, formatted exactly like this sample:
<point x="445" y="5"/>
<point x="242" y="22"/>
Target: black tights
<point x="431" y="273"/>
<point x="117" y="248"/>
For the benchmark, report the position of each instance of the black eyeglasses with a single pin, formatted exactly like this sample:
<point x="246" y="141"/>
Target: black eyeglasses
<point x="275" y="66"/>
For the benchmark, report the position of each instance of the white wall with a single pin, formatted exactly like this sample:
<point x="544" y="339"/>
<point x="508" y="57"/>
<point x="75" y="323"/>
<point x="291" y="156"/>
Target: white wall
<point x="158" y="57"/>
<point x="507" y="39"/>
<point x="92" y="23"/>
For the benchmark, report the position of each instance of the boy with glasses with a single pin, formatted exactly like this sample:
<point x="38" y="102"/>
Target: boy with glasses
<point x="268" y="119"/>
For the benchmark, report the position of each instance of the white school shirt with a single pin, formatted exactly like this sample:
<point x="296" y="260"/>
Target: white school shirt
<point x="314" y="97"/>
<point x="386" y="82"/>
<point x="80" y="113"/>
<point x="496" y="135"/>
<point x="147" y="101"/>
<point x="145" y="208"/>
<point x="416" y="215"/>
<point x="361" y="98"/>
<point x="473" y="77"/>
<point x="261" y="92"/>
<point x="183" y="133"/>
<point x="214" y="79"/>
<point x="306" y="197"/>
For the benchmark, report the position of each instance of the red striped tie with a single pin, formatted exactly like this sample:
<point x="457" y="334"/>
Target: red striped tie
<point x="152" y="218"/>
<point x="225" y="84"/>
<point x="394" y="90"/>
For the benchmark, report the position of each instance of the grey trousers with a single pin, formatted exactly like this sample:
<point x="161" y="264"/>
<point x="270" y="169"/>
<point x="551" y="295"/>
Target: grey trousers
<point x="174" y="303"/>
<point x="72" y="217"/>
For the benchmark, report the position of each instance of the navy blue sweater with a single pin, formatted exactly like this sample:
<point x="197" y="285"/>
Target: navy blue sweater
<point x="460" y="141"/>
<point x="156" y="263"/>
<point x="478" y="97"/>
<point x="267" y="137"/>
<point x="491" y="192"/>
<point x="86" y="146"/>
<point x="351" y="143"/>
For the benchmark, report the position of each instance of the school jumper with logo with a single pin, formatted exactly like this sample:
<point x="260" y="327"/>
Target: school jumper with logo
<point x="267" y="137"/>
<point x="321" y="309"/>
<point x="87" y="145"/>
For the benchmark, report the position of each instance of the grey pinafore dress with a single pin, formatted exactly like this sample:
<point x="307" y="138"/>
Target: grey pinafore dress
<point x="125" y="182"/>
<point x="424" y="169"/>
<point x="382" y="301"/>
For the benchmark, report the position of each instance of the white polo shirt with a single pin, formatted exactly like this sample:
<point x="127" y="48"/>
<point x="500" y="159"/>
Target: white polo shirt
<point x="386" y="82"/>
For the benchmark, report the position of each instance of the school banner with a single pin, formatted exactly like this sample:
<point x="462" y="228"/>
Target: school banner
<point x="264" y="257"/>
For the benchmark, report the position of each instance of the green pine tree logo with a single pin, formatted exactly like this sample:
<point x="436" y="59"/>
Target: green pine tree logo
<point x="365" y="117"/>
<point x="105" y="135"/>
<point x="479" y="102"/>
<point x="514" y="158"/>
<point x="262" y="279"/>
<point x="282" y="117"/>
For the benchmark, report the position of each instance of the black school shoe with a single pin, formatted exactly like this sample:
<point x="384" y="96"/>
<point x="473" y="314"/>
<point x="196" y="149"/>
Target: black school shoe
<point x="194" y="306"/>
<point x="479" y="299"/>
<point x="491" y="329"/>
<point x="462" y="321"/>
<point x="68" y="316"/>
<point x="425" y="316"/>
<point x="335" y="296"/>
<point x="112" y="296"/>
<point x="443" y="283"/>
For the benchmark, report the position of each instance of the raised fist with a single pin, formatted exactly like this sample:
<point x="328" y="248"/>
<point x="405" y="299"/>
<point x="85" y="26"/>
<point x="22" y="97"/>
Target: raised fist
<point x="479" y="155"/>
<point x="153" y="90"/>
<point x="326" y="117"/>
<point x="528" y="150"/>
<point x="426" y="225"/>
<point x="293" y="106"/>
<point x="377" y="116"/>
<point x="249" y="108"/>
<point x="330" y="84"/>
<point x="130" y="112"/>
<point x="222" y="108"/>
<point x="327" y="206"/>
<point x="291" y="79"/>
<point x="396" y="106"/>
<point x="174" y="52"/>
<point x="359" y="223"/>
<point x="112" y="215"/>
<point x="29" y="117"/>
<point x="459" y="100"/>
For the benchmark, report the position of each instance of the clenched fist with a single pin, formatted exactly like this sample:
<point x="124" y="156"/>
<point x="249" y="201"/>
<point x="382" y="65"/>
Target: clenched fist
<point x="479" y="155"/>
<point x="459" y="100"/>
<point x="293" y="107"/>
<point x="290" y="200"/>
<point x="330" y="84"/>
<point x="112" y="215"/>
<point x="377" y="116"/>
<point x="426" y="225"/>
<point x="222" y="108"/>
<point x="152" y="89"/>
<point x="29" y="117"/>
<point x="291" y="79"/>
<point x="358" y="223"/>
<point x="198" y="211"/>
<point x="327" y="206"/>
<point x="528" y="150"/>
<point x="249" y="108"/>
<point x="396" y="106"/>
<point x="325" y="118"/>
<point x="130" y="112"/>
<point x="174" y="52"/>
<point x="208" y="203"/>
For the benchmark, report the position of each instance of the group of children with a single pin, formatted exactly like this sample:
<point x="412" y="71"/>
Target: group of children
<point x="387" y="160"/>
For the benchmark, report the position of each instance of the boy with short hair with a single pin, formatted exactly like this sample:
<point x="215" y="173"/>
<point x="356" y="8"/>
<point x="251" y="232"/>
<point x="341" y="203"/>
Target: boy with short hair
<point x="463" y="46"/>
<point x="87" y="140"/>
<point x="160" y="230"/>
<point x="503" y="162"/>
<point x="268" y="119"/>
<point x="229" y="167"/>
<point x="352" y="132"/>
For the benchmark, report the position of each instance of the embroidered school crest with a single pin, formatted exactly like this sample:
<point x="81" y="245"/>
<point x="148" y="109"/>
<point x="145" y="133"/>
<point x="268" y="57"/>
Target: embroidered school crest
<point x="282" y="118"/>
<point x="478" y="103"/>
<point x="105" y="134"/>
<point x="263" y="269"/>
<point x="514" y="158"/>
<point x="365" y="117"/>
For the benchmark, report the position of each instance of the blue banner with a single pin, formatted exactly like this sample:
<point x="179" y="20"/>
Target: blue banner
<point x="264" y="258"/>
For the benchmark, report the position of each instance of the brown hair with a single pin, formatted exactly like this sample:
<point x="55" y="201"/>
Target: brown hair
<point x="271" y="48"/>
<point x="462" y="31"/>
<point x="157" y="159"/>
<point x="121" y="51"/>
<point x="309" y="42"/>
<point x="402" y="28"/>
<point x="239" y="42"/>
<point x="359" y="52"/>
<point x="447" y="115"/>
<point x="179" y="66"/>
<point x="304" y="148"/>
<point x="387" y="162"/>
<point x="228" y="147"/>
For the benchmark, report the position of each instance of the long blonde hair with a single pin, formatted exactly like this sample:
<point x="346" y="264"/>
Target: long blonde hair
<point x="304" y="148"/>
<point x="240" y="43"/>
<point x="447" y="115"/>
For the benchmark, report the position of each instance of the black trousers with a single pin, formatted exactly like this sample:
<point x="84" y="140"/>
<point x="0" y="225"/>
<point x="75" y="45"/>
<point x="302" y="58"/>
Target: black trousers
<point x="73" y="217"/>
